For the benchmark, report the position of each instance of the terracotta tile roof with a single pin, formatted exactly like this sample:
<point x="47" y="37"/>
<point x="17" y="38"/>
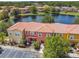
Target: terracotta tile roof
<point x="46" y="27"/>
<point x="19" y="26"/>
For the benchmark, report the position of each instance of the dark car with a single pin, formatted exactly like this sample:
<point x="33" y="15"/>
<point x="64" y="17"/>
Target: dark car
<point x="1" y="50"/>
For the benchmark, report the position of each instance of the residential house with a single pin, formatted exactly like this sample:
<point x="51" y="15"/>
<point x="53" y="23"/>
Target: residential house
<point x="40" y="9"/>
<point x="39" y="31"/>
<point x="70" y="9"/>
<point x="24" y="10"/>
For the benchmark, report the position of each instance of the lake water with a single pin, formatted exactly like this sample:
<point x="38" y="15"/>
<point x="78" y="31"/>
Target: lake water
<point x="66" y="19"/>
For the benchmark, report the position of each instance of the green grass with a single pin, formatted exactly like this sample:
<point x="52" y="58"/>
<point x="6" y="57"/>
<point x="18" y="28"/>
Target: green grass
<point x="70" y="13"/>
<point x="42" y="13"/>
<point x="31" y="14"/>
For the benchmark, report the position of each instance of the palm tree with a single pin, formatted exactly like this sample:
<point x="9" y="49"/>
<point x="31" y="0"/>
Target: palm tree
<point x="2" y="37"/>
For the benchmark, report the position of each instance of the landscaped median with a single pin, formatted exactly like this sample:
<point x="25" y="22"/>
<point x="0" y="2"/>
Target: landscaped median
<point x="70" y="13"/>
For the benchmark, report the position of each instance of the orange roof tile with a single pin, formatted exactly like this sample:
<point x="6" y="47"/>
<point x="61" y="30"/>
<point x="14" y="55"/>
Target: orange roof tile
<point x="46" y="27"/>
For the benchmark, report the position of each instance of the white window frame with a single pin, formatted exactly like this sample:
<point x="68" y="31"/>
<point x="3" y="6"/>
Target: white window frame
<point x="55" y="34"/>
<point x="39" y="34"/>
<point x="17" y="34"/>
<point x="32" y="33"/>
<point x="61" y="34"/>
<point x="48" y="34"/>
<point x="71" y="37"/>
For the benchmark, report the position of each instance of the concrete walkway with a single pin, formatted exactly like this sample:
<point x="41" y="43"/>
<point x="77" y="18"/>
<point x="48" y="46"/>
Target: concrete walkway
<point x="73" y="55"/>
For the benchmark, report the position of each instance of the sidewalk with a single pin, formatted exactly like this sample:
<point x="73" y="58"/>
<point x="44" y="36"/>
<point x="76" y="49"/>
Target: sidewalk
<point x="73" y="55"/>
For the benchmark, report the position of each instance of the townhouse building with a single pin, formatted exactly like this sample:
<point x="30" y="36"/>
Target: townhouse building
<point x="39" y="31"/>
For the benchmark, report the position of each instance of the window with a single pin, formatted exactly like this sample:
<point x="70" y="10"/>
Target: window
<point x="71" y="37"/>
<point x="61" y="35"/>
<point x="32" y="33"/>
<point x="55" y="34"/>
<point x="17" y="34"/>
<point x="48" y="34"/>
<point x="10" y="33"/>
<point x="39" y="34"/>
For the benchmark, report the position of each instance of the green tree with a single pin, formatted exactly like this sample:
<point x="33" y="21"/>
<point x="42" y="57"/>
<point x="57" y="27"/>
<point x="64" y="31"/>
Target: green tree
<point x="53" y="9"/>
<point x="15" y="12"/>
<point x="36" y="45"/>
<point x="48" y="19"/>
<point x="46" y="9"/>
<point x="10" y="21"/>
<point x="56" y="47"/>
<point x="1" y="16"/>
<point x="33" y="9"/>
<point x="3" y="26"/>
<point x="2" y="37"/>
<point x="5" y="14"/>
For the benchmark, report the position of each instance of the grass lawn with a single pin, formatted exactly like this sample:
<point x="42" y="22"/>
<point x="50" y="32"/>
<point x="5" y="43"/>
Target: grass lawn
<point x="70" y="13"/>
<point x="31" y="14"/>
<point x="42" y="13"/>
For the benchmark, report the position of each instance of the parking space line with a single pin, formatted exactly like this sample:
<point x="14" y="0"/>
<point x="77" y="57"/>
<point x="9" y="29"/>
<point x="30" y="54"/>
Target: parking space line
<point x="19" y="54"/>
<point x="23" y="55"/>
<point x="12" y="54"/>
<point x="4" y="53"/>
<point x="15" y="54"/>
<point x="9" y="53"/>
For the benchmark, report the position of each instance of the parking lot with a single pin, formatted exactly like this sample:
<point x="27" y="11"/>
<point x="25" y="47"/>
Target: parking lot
<point x="13" y="53"/>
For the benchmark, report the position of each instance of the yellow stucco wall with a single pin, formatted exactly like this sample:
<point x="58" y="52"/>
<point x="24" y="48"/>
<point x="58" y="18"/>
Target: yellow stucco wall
<point x="76" y="37"/>
<point x="13" y="36"/>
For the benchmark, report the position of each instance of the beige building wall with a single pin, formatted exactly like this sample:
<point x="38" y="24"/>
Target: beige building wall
<point x="12" y="35"/>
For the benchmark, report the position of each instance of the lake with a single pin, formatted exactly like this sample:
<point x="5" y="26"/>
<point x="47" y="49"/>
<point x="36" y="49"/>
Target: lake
<point x="66" y="19"/>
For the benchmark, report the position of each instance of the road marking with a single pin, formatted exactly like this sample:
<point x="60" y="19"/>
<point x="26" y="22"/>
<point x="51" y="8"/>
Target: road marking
<point x="9" y="53"/>
<point x="23" y="55"/>
<point x="4" y="53"/>
<point x="15" y="54"/>
<point x="12" y="54"/>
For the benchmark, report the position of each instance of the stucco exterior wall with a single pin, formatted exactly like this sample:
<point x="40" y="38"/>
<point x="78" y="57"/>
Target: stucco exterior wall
<point x="13" y="36"/>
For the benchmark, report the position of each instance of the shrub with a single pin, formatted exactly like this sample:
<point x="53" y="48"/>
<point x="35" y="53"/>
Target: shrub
<point x="36" y="45"/>
<point x="21" y="44"/>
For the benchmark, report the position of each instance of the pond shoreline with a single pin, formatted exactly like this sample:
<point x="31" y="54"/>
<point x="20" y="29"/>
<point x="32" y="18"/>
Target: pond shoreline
<point x="58" y="18"/>
<point x="42" y="14"/>
<point x="70" y="13"/>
